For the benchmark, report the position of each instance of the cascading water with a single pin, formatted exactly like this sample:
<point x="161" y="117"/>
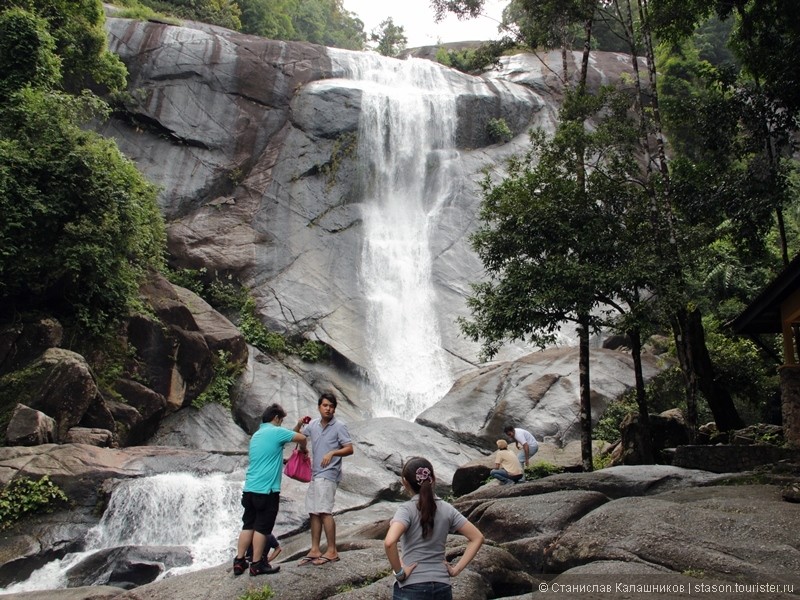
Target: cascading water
<point x="173" y="509"/>
<point x="408" y="168"/>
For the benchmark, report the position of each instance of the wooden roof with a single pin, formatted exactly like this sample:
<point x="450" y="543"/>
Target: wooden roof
<point x="763" y="315"/>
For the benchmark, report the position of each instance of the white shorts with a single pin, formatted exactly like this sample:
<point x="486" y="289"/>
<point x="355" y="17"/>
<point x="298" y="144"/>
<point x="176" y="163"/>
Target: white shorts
<point x="320" y="496"/>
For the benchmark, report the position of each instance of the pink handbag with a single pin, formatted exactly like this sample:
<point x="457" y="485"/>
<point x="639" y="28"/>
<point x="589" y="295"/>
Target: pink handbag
<point x="298" y="466"/>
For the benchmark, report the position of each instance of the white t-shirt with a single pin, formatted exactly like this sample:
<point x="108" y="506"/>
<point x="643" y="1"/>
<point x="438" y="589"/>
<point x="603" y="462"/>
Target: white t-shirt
<point x="523" y="436"/>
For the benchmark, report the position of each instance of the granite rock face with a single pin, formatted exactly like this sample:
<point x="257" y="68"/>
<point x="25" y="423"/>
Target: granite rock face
<point x="255" y="144"/>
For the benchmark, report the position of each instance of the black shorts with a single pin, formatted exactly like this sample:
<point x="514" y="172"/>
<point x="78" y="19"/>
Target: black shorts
<point x="260" y="511"/>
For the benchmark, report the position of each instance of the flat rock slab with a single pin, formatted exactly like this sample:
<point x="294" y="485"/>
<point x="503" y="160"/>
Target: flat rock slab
<point x="734" y="533"/>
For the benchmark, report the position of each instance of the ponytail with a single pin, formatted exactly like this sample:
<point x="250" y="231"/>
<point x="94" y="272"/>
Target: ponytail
<point x="418" y="472"/>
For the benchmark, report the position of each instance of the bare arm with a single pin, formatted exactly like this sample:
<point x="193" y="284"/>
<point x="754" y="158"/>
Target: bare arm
<point x="396" y="530"/>
<point x="345" y="450"/>
<point x="300" y="439"/>
<point x="474" y="542"/>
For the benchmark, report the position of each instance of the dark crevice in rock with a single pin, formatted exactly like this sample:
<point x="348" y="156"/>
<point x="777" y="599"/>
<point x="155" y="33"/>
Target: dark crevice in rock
<point x="140" y="121"/>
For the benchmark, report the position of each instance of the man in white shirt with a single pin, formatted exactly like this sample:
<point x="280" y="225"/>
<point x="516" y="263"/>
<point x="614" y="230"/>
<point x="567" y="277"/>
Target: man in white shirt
<point x="525" y="441"/>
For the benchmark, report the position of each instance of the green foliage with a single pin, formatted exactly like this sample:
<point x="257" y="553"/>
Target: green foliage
<point x="695" y="573"/>
<point x="81" y="225"/>
<point x="601" y="461"/>
<point x="135" y="10"/>
<point x="227" y="295"/>
<point x="344" y="147"/>
<point x="263" y="593"/>
<point x="223" y="293"/>
<point x="541" y="469"/>
<point x="324" y="22"/>
<point x="27" y="53"/>
<point x="23" y="497"/>
<point x="224" y="13"/>
<point x="499" y="131"/>
<point x="257" y="334"/>
<point x="750" y="376"/>
<point x="77" y="28"/>
<point x="350" y="587"/>
<point x="312" y="351"/>
<point x="389" y="39"/>
<point x="219" y="390"/>
<point x="472" y="60"/>
<point x="566" y="229"/>
<point x="608" y="426"/>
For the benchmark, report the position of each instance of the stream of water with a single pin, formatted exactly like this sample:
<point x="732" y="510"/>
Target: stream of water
<point x="202" y="513"/>
<point x="408" y="168"/>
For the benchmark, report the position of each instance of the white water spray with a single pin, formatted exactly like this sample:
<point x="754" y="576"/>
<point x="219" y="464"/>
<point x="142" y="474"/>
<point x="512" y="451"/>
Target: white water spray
<point x="172" y="509"/>
<point x="408" y="171"/>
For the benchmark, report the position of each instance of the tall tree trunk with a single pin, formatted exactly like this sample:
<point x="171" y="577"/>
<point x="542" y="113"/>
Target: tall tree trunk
<point x="645" y="441"/>
<point x="586" y="396"/>
<point x="583" y="319"/>
<point x="698" y="371"/>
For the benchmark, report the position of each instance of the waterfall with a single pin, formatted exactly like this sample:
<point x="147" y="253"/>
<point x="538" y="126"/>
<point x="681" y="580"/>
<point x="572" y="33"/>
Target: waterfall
<point x="202" y="513"/>
<point x="173" y="509"/>
<point x="408" y="171"/>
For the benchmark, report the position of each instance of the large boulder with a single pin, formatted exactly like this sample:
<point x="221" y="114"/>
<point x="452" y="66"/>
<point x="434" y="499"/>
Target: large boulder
<point x="743" y="532"/>
<point x="60" y="384"/>
<point x="126" y="566"/>
<point x="29" y="427"/>
<point x="210" y="428"/>
<point x="140" y="414"/>
<point x="538" y="392"/>
<point x="390" y="442"/>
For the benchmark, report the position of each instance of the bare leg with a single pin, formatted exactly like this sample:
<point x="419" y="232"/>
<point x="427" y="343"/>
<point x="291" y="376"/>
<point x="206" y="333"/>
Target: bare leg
<point x="245" y="539"/>
<point x="259" y="543"/>
<point x="330" y="535"/>
<point x="316" y="535"/>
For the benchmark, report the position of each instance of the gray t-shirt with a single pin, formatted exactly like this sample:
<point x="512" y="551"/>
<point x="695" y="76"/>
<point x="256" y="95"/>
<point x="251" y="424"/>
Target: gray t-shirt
<point x="427" y="552"/>
<point x="323" y="440"/>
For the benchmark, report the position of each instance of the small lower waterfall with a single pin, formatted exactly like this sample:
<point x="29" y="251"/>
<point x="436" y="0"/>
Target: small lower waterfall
<point x="408" y="171"/>
<point x="202" y="513"/>
<point x="173" y="509"/>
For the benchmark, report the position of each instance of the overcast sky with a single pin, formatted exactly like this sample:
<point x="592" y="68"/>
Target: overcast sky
<point x="416" y="17"/>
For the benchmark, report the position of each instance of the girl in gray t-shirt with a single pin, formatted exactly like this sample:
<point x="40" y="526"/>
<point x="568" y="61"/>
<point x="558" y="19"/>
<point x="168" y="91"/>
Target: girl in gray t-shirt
<point x="422" y="525"/>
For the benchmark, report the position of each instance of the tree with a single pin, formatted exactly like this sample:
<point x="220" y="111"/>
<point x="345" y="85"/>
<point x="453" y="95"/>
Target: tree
<point x="223" y="13"/>
<point x="271" y="19"/>
<point x="80" y="224"/>
<point x="324" y="22"/>
<point x="668" y="259"/>
<point x="80" y="42"/>
<point x="27" y="53"/>
<point x="389" y="38"/>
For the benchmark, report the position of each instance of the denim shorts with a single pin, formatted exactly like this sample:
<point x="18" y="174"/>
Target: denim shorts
<point x="430" y="590"/>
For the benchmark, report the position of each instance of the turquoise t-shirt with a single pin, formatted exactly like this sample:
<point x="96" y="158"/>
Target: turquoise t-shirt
<point x="266" y="459"/>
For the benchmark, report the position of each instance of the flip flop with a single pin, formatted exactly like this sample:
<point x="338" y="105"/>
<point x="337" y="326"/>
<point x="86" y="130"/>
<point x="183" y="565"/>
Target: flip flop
<point x="307" y="559"/>
<point x="323" y="560"/>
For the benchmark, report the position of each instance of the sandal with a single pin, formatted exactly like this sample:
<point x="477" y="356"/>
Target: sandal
<point x="323" y="560"/>
<point x="307" y="559"/>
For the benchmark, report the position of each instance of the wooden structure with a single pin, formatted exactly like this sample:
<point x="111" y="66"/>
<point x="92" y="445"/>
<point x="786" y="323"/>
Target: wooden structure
<point x="776" y="310"/>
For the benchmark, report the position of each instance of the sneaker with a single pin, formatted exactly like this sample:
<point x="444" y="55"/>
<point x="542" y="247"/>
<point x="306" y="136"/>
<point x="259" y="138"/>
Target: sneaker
<point x="262" y="568"/>
<point x="239" y="566"/>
